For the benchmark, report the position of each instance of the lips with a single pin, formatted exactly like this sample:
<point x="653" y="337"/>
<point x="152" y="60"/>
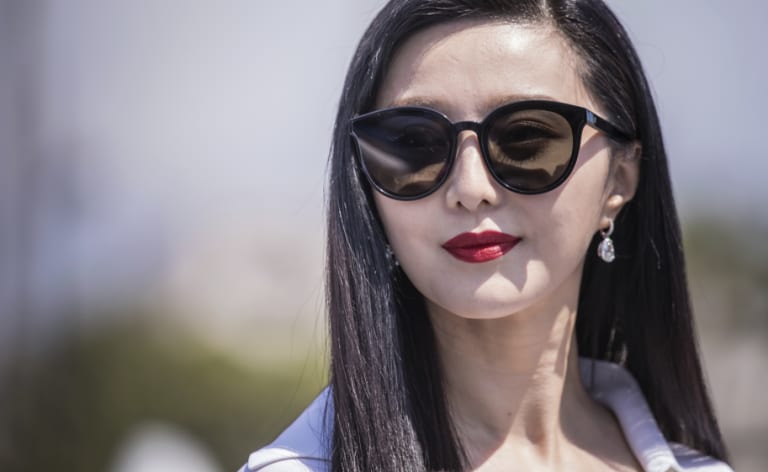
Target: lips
<point x="480" y="247"/>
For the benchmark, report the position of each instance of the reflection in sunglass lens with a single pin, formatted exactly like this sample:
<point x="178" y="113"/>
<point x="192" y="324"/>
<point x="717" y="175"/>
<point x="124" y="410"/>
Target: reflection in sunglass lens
<point x="404" y="153"/>
<point x="529" y="149"/>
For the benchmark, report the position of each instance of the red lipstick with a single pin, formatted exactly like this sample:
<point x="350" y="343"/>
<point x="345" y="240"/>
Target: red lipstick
<point x="480" y="247"/>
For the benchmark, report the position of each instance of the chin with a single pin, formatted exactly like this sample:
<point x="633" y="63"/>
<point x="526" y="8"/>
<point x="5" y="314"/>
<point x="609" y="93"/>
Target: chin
<point x="477" y="309"/>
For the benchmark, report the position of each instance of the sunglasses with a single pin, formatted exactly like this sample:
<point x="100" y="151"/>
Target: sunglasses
<point x="529" y="147"/>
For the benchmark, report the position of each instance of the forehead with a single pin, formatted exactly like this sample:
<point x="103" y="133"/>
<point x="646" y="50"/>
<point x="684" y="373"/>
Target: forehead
<point x="468" y="67"/>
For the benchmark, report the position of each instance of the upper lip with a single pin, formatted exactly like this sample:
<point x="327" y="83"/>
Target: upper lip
<point x="485" y="238"/>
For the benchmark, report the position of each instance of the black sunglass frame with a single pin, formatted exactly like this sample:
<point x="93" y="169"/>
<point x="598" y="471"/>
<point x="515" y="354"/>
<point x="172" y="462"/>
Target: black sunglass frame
<point x="578" y="117"/>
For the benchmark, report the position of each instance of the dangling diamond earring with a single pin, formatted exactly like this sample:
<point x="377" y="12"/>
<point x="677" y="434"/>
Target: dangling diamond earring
<point x="605" y="250"/>
<point x="391" y="257"/>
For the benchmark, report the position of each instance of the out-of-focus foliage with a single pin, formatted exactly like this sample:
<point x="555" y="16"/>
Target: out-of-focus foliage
<point x="727" y="263"/>
<point x="73" y="404"/>
<point x="728" y="274"/>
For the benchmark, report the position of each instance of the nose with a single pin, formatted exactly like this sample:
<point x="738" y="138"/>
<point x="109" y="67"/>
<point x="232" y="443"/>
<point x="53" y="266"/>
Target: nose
<point x="470" y="185"/>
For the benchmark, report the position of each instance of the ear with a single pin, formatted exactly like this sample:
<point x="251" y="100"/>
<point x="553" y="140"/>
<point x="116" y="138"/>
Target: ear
<point x="622" y="181"/>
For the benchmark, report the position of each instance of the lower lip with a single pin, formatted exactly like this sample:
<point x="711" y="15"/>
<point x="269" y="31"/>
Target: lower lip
<point x="481" y="253"/>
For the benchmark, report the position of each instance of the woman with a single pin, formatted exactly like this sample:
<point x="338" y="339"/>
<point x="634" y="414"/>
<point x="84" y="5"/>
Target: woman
<point x="486" y="155"/>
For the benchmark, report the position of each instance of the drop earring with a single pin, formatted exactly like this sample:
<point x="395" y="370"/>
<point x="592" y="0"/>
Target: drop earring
<point x="391" y="258"/>
<point x="605" y="250"/>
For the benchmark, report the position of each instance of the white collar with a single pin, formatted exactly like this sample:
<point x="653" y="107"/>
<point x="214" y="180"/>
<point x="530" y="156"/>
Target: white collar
<point x="613" y="386"/>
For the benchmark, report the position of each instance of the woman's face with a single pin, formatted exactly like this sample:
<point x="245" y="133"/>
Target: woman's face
<point x="465" y="70"/>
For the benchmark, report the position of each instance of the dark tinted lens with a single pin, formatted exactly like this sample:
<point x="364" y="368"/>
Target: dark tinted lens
<point x="529" y="149"/>
<point x="404" y="151"/>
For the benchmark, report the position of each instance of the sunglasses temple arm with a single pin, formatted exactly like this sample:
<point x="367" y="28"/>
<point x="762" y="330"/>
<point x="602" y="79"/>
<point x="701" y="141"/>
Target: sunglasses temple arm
<point x="606" y="127"/>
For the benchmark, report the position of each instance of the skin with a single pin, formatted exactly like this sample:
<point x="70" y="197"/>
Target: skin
<point x="505" y="328"/>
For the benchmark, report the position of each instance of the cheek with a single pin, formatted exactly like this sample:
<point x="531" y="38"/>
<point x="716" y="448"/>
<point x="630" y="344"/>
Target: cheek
<point x="568" y="236"/>
<point x="404" y="224"/>
<point x="414" y="231"/>
<point x="560" y="224"/>
<point x="573" y="216"/>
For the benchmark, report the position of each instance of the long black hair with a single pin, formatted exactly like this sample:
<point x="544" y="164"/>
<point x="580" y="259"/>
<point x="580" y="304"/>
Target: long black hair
<point x="389" y="407"/>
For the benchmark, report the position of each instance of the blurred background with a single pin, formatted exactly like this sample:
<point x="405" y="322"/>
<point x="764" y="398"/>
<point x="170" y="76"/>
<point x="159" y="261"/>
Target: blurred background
<point x="162" y="167"/>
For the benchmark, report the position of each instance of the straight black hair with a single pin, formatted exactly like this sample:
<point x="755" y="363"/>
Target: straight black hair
<point x="389" y="407"/>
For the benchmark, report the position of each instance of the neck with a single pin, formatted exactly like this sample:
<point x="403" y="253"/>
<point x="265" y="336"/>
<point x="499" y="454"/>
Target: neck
<point x="513" y="381"/>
